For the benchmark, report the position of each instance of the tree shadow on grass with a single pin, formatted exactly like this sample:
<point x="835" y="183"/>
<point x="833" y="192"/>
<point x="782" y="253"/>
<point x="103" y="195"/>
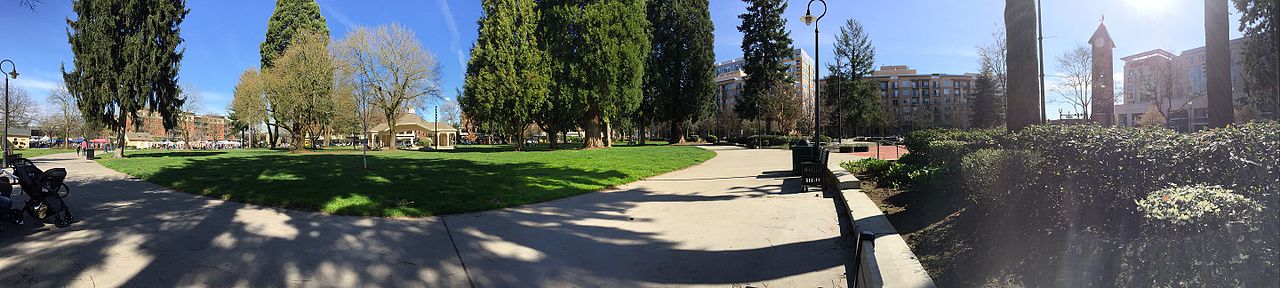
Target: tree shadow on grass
<point x="153" y="154"/>
<point x="336" y="183"/>
<point x="136" y="234"/>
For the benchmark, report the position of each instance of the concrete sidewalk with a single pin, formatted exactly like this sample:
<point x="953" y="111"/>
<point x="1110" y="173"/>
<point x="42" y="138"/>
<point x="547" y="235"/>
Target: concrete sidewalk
<point x="728" y="222"/>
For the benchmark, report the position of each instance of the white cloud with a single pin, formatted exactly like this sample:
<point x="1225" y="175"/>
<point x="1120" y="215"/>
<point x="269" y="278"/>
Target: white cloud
<point x="462" y="58"/>
<point x="338" y="15"/>
<point x="452" y="25"/>
<point x="448" y="19"/>
<point x="35" y="85"/>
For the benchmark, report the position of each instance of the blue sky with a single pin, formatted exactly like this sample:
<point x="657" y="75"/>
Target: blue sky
<point x="933" y="36"/>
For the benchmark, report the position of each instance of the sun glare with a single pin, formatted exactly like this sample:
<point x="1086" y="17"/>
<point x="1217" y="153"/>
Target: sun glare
<point x="1151" y="7"/>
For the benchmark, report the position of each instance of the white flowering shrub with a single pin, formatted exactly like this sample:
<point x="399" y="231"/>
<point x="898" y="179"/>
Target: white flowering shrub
<point x="1186" y="205"/>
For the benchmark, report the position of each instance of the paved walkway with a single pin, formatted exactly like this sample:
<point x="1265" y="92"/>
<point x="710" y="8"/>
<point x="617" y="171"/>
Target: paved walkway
<point x="729" y="222"/>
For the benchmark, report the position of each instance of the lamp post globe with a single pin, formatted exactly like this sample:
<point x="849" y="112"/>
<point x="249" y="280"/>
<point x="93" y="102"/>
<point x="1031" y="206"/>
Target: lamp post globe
<point x="809" y="19"/>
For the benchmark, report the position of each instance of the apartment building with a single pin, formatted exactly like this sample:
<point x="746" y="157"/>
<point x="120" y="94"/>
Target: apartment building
<point x="1175" y="85"/>
<point x="197" y="128"/>
<point x="918" y="101"/>
<point x="730" y="80"/>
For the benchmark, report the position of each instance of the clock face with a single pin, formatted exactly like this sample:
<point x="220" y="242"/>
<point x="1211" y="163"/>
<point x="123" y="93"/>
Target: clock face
<point x="1100" y="43"/>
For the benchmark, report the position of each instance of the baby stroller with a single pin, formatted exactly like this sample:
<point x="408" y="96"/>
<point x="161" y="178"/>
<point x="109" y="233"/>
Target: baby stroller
<point x="45" y="191"/>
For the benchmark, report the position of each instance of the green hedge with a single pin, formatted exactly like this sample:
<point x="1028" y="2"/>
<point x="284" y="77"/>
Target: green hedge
<point x="1053" y="180"/>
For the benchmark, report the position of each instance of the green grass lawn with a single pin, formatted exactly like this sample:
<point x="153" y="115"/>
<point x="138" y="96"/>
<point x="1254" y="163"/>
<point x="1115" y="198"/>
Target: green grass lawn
<point x="37" y="152"/>
<point x="402" y="183"/>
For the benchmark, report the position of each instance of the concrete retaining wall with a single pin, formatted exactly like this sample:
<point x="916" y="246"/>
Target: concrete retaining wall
<point x="885" y="259"/>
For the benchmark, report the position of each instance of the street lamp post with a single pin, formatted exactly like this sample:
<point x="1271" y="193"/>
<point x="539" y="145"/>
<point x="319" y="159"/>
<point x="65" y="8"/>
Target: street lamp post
<point x="13" y="73"/>
<point x="808" y="18"/>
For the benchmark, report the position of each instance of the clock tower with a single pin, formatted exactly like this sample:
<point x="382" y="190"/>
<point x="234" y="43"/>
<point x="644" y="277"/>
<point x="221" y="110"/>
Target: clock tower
<point x="1104" y="95"/>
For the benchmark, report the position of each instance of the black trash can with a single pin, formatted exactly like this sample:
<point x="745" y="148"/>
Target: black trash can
<point x="802" y="153"/>
<point x="88" y="153"/>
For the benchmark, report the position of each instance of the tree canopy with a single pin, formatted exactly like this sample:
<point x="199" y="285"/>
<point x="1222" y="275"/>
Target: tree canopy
<point x="111" y="89"/>
<point x="290" y="17"/>
<point x="506" y="83"/>
<point x="856" y="100"/>
<point x="1261" y="60"/>
<point x="602" y="59"/>
<point x="766" y="44"/>
<point x="391" y="70"/>
<point x="299" y="87"/>
<point x="681" y="72"/>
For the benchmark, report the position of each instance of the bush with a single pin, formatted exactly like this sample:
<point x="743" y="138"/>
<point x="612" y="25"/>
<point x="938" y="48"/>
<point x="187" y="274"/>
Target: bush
<point x="424" y="142"/>
<point x="992" y="177"/>
<point x="867" y="166"/>
<point x="712" y="139"/>
<point x="1199" y="204"/>
<point x="1101" y="187"/>
<point x="899" y="174"/>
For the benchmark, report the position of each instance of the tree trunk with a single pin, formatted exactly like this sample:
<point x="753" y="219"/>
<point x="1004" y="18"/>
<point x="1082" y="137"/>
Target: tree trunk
<point x="1023" y="92"/>
<point x="608" y="134"/>
<point x="552" y="135"/>
<point x="677" y="132"/>
<point x="273" y="133"/>
<point x="124" y="128"/>
<point x="326" y="137"/>
<point x="391" y="132"/>
<point x="591" y="130"/>
<point x="644" y="138"/>
<point x="1218" y="63"/>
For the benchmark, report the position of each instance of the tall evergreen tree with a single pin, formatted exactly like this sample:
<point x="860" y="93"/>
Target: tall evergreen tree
<point x="766" y="43"/>
<point x="857" y="102"/>
<point x="290" y="17"/>
<point x="607" y="45"/>
<point x="507" y="77"/>
<point x="1261" y="57"/>
<point x="126" y="59"/>
<point x="984" y="101"/>
<point x="566" y="98"/>
<point x="682" y="63"/>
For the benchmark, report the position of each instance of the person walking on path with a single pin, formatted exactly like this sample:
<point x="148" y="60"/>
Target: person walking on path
<point x="78" y="147"/>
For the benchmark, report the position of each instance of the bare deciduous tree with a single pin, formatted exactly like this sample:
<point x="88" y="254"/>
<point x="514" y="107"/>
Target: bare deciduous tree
<point x="66" y="116"/>
<point x="1076" y="66"/>
<point x="21" y="109"/>
<point x="391" y="70"/>
<point x="782" y="105"/>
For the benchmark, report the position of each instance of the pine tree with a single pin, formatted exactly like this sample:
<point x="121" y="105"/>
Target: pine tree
<point x="507" y="77"/>
<point x="857" y="102"/>
<point x="984" y="101"/>
<point x="681" y="72"/>
<point x="766" y="43"/>
<point x="126" y="59"/>
<point x="290" y="17"/>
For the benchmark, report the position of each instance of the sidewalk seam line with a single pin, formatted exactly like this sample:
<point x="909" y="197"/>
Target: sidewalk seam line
<point x="457" y="252"/>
